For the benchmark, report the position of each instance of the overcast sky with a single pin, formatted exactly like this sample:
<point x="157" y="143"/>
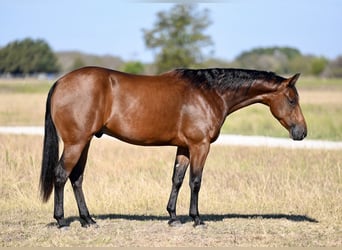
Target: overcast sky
<point x="115" y="27"/>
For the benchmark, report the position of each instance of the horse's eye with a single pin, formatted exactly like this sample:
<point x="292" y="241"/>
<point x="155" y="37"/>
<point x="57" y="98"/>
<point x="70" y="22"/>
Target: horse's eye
<point x="292" y="101"/>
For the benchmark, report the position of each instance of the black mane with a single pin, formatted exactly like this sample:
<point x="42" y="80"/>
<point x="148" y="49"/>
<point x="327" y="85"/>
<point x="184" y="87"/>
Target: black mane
<point x="223" y="79"/>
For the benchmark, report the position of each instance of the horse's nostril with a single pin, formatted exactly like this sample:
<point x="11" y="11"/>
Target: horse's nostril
<point x="298" y="133"/>
<point x="305" y="133"/>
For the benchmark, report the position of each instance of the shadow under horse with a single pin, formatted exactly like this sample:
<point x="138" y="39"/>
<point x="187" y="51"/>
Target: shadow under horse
<point x="185" y="219"/>
<point x="185" y="108"/>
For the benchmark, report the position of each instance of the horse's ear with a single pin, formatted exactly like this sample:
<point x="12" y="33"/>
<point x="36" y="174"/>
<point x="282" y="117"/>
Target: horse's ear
<point x="292" y="81"/>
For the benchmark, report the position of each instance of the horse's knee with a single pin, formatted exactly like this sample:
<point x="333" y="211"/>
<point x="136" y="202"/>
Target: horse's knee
<point x="61" y="175"/>
<point x="76" y="183"/>
<point x="76" y="175"/>
<point x="177" y="182"/>
<point x="179" y="176"/>
<point x="195" y="183"/>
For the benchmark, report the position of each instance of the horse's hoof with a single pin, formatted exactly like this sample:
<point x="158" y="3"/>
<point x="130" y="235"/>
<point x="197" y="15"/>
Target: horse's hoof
<point x="175" y="223"/>
<point x="92" y="224"/>
<point x="63" y="227"/>
<point x="200" y="224"/>
<point x="62" y="224"/>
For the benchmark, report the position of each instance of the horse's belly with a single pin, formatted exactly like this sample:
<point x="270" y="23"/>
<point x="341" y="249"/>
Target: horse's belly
<point x="142" y="132"/>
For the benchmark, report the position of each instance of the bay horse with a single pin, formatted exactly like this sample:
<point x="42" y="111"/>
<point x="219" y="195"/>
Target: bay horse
<point x="185" y="108"/>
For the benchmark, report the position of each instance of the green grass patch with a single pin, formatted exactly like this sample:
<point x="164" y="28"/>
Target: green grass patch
<point x="253" y="120"/>
<point x="319" y="83"/>
<point x="324" y="122"/>
<point x="25" y="87"/>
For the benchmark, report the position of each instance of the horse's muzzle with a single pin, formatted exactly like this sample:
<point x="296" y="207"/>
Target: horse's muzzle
<point x="298" y="132"/>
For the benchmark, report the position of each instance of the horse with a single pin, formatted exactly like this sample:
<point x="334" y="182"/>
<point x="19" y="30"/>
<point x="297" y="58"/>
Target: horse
<point x="185" y="108"/>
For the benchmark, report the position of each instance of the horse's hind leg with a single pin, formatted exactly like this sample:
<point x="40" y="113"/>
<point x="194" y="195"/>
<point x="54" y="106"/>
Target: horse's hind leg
<point x="76" y="178"/>
<point x="180" y="167"/>
<point x="70" y="157"/>
<point x="60" y="179"/>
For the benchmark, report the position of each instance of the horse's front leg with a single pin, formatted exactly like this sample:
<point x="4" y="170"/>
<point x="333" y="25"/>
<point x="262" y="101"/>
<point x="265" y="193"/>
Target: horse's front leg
<point x="198" y="156"/>
<point x="179" y="170"/>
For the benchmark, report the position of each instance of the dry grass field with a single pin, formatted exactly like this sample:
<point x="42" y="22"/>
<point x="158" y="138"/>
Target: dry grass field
<point x="249" y="197"/>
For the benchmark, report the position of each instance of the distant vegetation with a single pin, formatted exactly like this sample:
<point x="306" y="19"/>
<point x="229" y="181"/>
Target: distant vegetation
<point x="282" y="59"/>
<point x="27" y="57"/>
<point x="177" y="39"/>
<point x="70" y="60"/>
<point x="277" y="59"/>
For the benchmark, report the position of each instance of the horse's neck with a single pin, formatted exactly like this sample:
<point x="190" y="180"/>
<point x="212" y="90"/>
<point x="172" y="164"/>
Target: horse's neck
<point x="243" y="97"/>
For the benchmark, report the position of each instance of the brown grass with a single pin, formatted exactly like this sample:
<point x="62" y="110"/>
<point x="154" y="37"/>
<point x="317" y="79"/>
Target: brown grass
<point x="321" y="97"/>
<point x="22" y="109"/>
<point x="249" y="197"/>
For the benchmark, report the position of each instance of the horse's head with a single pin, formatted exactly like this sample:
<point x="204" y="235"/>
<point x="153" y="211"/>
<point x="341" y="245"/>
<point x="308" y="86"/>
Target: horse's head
<point x="284" y="105"/>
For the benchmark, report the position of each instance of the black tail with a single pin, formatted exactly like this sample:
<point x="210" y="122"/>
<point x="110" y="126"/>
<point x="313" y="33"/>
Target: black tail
<point x="50" y="152"/>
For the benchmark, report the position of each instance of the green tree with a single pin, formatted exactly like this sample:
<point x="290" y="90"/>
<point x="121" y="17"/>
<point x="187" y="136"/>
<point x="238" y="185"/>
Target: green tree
<point x="318" y="64"/>
<point x="133" y="67"/>
<point x="178" y="37"/>
<point x="27" y="57"/>
<point x="277" y="59"/>
<point x="289" y="52"/>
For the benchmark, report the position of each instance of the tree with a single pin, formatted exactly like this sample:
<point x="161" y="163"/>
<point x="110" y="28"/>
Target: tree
<point x="28" y="57"/>
<point x="318" y="65"/>
<point x="178" y="37"/>
<point x="133" y="67"/>
<point x="272" y="58"/>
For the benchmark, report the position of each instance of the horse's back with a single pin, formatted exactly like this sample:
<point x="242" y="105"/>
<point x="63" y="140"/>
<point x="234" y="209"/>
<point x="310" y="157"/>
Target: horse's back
<point x="146" y="110"/>
<point x="136" y="108"/>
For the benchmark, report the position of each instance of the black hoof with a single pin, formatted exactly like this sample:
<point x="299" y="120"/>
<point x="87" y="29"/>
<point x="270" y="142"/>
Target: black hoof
<point x="86" y="225"/>
<point x="63" y="227"/>
<point x="89" y="222"/>
<point x="62" y="224"/>
<point x="199" y="224"/>
<point x="175" y="223"/>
